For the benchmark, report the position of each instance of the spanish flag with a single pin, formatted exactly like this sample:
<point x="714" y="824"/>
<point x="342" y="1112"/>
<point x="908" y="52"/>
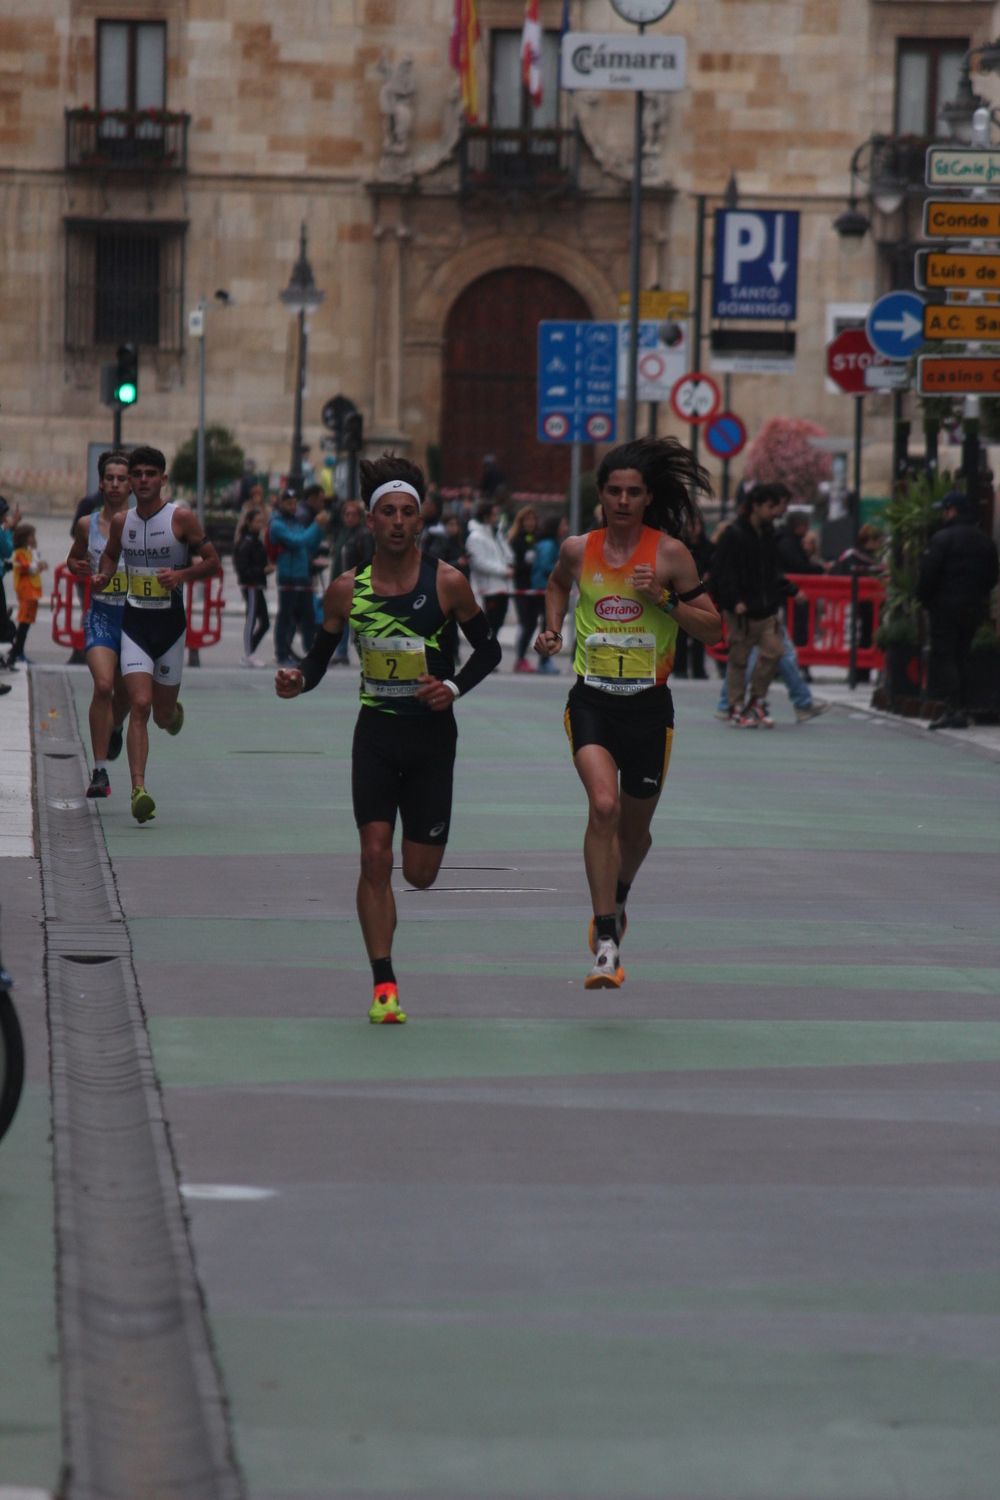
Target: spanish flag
<point x="464" y="36"/>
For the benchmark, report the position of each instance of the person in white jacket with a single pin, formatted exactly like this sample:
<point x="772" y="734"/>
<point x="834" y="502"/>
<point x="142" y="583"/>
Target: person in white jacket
<point x="491" y="563"/>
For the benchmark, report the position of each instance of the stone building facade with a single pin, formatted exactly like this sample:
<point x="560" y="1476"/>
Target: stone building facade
<point x="153" y="151"/>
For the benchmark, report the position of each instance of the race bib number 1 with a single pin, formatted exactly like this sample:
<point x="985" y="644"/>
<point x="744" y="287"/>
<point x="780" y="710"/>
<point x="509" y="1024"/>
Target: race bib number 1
<point x="620" y="663"/>
<point x="392" y="665"/>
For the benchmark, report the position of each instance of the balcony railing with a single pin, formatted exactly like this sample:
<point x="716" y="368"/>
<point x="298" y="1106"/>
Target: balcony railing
<point x="897" y="157"/>
<point x="126" y="140"/>
<point x="539" y="162"/>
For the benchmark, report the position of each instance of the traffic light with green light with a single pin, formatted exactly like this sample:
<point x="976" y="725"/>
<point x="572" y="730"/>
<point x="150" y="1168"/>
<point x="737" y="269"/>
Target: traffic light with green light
<point x="126" y="383"/>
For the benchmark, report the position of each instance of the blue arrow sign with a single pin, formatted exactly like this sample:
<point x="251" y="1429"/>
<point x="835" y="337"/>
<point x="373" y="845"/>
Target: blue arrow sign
<point x="895" y="325"/>
<point x="577" y="382"/>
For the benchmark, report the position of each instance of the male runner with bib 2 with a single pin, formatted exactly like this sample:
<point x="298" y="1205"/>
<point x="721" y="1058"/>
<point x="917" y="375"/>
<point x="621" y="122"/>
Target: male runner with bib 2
<point x="155" y="542"/>
<point x="402" y="608"/>
<point x="637" y="584"/>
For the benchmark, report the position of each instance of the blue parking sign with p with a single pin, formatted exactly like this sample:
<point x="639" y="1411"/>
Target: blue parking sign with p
<point x="756" y="264"/>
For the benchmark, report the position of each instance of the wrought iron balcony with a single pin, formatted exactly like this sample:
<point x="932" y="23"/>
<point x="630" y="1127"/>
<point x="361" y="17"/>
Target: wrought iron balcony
<point x="537" y="162"/>
<point x="886" y="159"/>
<point x="126" y="140"/>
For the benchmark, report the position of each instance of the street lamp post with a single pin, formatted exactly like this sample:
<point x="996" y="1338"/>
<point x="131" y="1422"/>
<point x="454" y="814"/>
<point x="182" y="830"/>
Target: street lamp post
<point x="301" y="296"/>
<point x="196" y="330"/>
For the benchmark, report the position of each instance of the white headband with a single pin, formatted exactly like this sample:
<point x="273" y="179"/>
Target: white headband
<point x="394" y="485"/>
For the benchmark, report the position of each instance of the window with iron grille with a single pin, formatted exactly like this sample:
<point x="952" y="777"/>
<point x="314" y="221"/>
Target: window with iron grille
<point x="124" y="284"/>
<point x="927" y="76"/>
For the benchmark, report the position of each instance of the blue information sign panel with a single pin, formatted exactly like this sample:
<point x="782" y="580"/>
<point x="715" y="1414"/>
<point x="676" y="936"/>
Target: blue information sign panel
<point x="577" y="382"/>
<point x="756" y="264"/>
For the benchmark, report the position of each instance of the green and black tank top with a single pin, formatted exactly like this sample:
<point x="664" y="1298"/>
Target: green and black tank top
<point x="399" y="638"/>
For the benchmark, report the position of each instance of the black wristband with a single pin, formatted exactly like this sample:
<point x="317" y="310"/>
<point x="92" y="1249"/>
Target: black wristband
<point x="313" y="666"/>
<point x="686" y="598"/>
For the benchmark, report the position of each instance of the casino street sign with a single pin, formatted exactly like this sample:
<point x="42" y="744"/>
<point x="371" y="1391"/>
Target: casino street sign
<point x="969" y="375"/>
<point x="962" y="270"/>
<point x="953" y="219"/>
<point x="971" y="322"/>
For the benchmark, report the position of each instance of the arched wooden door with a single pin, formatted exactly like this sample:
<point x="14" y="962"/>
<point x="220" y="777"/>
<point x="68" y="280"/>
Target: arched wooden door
<point x="490" y="356"/>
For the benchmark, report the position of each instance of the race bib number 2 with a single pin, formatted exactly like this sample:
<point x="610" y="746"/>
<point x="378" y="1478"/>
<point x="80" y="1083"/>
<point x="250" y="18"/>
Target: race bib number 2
<point x="392" y="665"/>
<point x="620" y="663"/>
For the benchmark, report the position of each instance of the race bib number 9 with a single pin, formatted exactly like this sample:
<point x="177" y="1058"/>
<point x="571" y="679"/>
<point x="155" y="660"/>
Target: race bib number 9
<point x="146" y="588"/>
<point x="620" y="663"/>
<point x="116" y="587"/>
<point x="392" y="665"/>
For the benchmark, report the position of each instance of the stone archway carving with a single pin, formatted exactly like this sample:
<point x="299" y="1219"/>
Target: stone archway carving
<point x="497" y="253"/>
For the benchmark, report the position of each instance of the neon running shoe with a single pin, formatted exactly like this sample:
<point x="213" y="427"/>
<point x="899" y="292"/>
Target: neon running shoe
<point x="177" y="723"/>
<point x="143" y="806"/>
<point x="99" y="786"/>
<point x="622" y="916"/>
<point x="115" y="743"/>
<point x="385" y="1009"/>
<point x="607" y="973"/>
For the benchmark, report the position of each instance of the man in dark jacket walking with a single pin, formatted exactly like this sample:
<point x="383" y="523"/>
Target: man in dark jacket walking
<point x="958" y="572"/>
<point x="750" y="587"/>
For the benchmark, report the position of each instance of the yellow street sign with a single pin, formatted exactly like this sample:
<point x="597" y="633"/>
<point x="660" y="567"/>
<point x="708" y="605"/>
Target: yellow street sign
<point x="951" y="219"/>
<point x="656" y="305"/>
<point x="975" y="323"/>
<point x="971" y="376"/>
<point x="957" y="268"/>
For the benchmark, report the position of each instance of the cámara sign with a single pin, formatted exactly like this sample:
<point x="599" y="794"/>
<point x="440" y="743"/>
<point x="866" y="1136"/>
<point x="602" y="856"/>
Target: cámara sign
<point x="615" y="60"/>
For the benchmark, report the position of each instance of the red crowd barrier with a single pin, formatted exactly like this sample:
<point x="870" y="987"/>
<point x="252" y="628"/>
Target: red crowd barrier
<point x="70" y="600"/>
<point x="828" y="620"/>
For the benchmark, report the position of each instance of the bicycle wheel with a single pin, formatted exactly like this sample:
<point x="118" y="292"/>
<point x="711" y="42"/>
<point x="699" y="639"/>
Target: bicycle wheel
<point x="11" y="1061"/>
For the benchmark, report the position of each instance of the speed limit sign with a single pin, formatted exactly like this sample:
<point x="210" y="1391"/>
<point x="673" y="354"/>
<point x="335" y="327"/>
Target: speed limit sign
<point x="696" y="398"/>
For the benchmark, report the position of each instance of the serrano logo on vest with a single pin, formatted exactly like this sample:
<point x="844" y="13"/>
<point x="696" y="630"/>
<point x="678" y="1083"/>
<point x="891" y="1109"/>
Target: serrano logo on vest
<point x="614" y="607"/>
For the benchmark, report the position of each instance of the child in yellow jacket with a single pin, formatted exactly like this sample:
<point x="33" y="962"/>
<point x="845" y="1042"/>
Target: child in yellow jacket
<point x="28" y="569"/>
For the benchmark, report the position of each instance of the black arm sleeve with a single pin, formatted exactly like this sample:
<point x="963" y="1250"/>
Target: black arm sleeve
<point x="485" y="656"/>
<point x="313" y="666"/>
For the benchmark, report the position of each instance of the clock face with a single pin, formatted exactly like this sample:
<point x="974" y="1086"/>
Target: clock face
<point x="642" y="12"/>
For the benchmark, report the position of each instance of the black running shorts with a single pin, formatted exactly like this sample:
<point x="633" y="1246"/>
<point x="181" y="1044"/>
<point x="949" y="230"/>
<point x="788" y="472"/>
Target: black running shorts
<point x="404" y="763"/>
<point x="637" y="733"/>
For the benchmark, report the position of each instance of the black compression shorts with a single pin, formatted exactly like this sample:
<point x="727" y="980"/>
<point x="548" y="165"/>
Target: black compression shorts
<point x="404" y="763"/>
<point x="637" y="733"/>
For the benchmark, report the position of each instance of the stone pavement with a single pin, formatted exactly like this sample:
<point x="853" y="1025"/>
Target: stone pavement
<point x="728" y="1234"/>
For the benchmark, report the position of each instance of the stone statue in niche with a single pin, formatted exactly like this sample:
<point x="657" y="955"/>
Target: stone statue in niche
<point x="396" y="101"/>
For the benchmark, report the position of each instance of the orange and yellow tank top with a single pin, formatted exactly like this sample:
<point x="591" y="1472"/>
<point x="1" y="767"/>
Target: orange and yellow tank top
<point x="624" y="643"/>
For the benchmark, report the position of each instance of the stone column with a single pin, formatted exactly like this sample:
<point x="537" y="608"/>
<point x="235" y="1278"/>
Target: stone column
<point x="390" y="236"/>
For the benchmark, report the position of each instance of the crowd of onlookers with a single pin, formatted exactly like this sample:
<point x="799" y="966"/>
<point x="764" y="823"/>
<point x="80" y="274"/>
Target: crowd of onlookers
<point x="305" y="539"/>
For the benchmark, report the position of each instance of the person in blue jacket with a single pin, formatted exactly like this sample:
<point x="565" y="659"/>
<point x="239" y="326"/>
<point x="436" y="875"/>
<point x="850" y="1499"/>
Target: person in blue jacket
<point x="553" y="530"/>
<point x="296" y="546"/>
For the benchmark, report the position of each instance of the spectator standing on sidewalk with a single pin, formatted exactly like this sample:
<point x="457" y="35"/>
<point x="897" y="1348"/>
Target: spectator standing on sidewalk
<point x="28" y="570"/>
<point x="8" y="520"/>
<point x="252" y="568"/>
<point x="690" y="658"/>
<point x="522" y="539"/>
<point x="491" y="564"/>
<point x="958" y="572"/>
<point x="297" y="546"/>
<point x="751" y="588"/>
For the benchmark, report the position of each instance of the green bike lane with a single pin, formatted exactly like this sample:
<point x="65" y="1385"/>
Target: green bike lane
<point x="730" y="1232"/>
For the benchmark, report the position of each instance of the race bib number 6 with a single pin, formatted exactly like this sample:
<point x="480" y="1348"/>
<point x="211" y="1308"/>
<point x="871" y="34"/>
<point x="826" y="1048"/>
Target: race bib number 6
<point x="144" y="587"/>
<point x="620" y="663"/>
<point x="392" y="665"/>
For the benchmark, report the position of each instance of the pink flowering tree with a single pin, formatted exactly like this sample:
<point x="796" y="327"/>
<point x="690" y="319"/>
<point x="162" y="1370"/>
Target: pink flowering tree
<point x="781" y="451"/>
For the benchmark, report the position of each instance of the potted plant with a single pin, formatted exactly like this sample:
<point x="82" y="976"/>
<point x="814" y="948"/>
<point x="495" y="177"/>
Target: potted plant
<point x="909" y="517"/>
<point x="984" y="674"/>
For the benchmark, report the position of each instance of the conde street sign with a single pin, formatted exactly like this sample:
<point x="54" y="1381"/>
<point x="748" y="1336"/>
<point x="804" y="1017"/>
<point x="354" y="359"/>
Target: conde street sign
<point x="958" y="167"/>
<point x="953" y="219"/>
<point x="617" y="60"/>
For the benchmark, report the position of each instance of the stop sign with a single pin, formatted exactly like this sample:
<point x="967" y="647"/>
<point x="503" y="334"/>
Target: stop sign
<point x="848" y="356"/>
